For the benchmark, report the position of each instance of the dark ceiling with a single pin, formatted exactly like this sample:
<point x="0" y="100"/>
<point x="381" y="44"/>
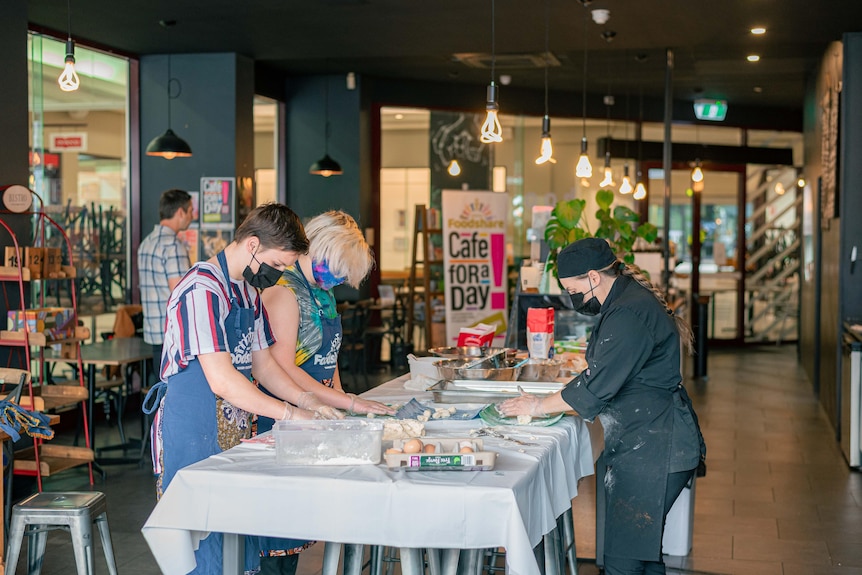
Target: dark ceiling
<point x="417" y="39"/>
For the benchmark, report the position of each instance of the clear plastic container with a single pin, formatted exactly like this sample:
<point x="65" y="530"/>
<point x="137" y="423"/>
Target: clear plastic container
<point x="341" y="442"/>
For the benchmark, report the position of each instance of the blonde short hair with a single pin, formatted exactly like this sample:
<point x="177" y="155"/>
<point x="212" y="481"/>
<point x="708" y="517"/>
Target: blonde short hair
<point x="335" y="237"/>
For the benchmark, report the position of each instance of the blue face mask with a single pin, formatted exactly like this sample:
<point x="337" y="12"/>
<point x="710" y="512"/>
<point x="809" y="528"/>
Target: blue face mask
<point x="324" y="278"/>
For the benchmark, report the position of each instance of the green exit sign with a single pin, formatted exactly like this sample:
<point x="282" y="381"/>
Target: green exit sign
<point x="712" y="110"/>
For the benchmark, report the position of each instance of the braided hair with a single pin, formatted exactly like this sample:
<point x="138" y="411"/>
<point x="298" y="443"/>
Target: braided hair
<point x="619" y="268"/>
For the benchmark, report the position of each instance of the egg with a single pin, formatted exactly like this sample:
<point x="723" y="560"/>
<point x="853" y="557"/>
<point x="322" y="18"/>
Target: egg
<point x="393" y="450"/>
<point x="412" y="446"/>
<point x="465" y="450"/>
<point x="430" y="448"/>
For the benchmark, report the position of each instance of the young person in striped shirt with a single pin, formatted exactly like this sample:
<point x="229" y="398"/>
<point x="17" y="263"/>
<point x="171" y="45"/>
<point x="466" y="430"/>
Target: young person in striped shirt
<point x="217" y="332"/>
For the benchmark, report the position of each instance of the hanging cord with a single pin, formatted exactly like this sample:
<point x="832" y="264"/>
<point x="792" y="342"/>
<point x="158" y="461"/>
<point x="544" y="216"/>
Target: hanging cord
<point x="628" y="97"/>
<point x="493" y="44"/>
<point x="608" y="104"/>
<point x="584" y="103"/>
<point x="639" y="173"/>
<point x="170" y="79"/>
<point x="547" y="49"/>
<point x="326" y="113"/>
<point x="69" y="16"/>
<point x="167" y="25"/>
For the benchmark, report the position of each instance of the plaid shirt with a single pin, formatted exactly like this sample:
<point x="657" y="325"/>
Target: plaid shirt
<point x="161" y="256"/>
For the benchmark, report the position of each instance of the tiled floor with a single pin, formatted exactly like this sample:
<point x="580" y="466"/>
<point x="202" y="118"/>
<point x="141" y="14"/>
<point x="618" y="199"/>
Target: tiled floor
<point x="779" y="498"/>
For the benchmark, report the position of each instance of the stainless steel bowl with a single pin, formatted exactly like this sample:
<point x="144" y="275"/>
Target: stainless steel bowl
<point x="469" y="352"/>
<point x="453" y="369"/>
<point x="541" y="370"/>
<point x="462" y="352"/>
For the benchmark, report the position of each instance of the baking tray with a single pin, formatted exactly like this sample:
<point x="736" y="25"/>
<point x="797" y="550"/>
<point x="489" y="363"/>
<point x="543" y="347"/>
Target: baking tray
<point x="478" y="391"/>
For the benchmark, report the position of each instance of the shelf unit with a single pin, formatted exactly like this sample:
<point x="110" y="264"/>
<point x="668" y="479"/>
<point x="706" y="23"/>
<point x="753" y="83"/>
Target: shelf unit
<point x="44" y="459"/>
<point x="426" y="275"/>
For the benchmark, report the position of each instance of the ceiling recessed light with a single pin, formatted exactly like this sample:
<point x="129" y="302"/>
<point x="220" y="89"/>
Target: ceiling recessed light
<point x="758" y="89"/>
<point x="758" y="30"/>
<point x="753" y="58"/>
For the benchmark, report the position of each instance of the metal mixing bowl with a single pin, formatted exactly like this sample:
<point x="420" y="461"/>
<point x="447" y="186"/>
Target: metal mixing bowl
<point x="541" y="370"/>
<point x="469" y="352"/>
<point x="453" y="369"/>
<point x="461" y="352"/>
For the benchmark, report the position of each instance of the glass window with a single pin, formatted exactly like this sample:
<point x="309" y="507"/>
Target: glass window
<point x="79" y="165"/>
<point x="265" y="150"/>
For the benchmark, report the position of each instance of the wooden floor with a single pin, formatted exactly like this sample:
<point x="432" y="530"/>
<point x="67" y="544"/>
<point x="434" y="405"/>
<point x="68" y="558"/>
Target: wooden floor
<point x="778" y="499"/>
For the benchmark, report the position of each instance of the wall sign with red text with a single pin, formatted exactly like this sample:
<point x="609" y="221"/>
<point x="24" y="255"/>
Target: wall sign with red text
<point x="68" y="142"/>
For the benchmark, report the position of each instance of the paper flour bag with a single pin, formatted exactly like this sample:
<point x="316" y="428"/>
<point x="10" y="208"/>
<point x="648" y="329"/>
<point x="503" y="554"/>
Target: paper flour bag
<point x="540" y="332"/>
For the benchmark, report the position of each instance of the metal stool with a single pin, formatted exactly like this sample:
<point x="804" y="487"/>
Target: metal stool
<point x="73" y="511"/>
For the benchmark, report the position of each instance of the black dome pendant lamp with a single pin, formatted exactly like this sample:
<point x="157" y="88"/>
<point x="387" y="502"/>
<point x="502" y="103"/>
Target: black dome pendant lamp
<point x="326" y="166"/>
<point x="169" y="145"/>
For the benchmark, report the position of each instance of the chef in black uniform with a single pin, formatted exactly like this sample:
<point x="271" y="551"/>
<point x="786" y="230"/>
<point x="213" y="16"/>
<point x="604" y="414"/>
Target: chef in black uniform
<point x="632" y="383"/>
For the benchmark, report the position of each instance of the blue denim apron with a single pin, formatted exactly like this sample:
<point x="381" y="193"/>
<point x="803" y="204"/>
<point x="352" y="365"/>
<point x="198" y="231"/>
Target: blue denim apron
<point x="195" y="423"/>
<point x="321" y="366"/>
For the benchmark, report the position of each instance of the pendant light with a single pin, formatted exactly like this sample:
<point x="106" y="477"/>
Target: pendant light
<point x="626" y="185"/>
<point x="547" y="149"/>
<point x="492" y="132"/>
<point x="68" y="79"/>
<point x="169" y="145"/>
<point x="697" y="177"/>
<point x="326" y="166"/>
<point x="584" y="169"/>
<point x="454" y="168"/>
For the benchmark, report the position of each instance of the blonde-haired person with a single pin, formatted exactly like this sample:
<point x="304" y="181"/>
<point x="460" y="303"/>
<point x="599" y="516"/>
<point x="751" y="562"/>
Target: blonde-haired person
<point x="308" y="335"/>
<point x="634" y="386"/>
<point x="304" y="318"/>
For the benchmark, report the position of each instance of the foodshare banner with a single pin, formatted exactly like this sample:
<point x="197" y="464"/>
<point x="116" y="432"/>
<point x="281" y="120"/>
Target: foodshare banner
<point x="474" y="261"/>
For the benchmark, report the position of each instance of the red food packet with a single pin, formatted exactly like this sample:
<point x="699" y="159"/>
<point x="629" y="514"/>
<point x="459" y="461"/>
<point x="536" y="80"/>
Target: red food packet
<point x="481" y="335"/>
<point x="540" y="332"/>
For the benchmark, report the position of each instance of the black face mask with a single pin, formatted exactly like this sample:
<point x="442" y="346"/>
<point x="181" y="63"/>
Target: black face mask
<point x="266" y="276"/>
<point x="589" y="307"/>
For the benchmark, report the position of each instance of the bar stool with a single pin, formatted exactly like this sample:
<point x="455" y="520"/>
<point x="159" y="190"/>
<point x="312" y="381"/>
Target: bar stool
<point x="73" y="511"/>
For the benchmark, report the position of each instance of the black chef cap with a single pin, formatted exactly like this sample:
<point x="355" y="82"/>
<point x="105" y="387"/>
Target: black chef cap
<point x="584" y="255"/>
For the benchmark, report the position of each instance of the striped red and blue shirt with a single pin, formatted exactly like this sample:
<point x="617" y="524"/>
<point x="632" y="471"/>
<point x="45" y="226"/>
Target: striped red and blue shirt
<point x="196" y="313"/>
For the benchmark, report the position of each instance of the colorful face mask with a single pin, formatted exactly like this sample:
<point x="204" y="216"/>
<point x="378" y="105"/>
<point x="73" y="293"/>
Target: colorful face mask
<point x="324" y="278"/>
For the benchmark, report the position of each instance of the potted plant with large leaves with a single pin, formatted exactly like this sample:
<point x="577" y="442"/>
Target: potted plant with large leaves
<point x="619" y="225"/>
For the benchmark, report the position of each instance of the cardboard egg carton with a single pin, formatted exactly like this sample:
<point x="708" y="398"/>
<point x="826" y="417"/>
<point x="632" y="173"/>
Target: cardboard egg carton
<point x="449" y="454"/>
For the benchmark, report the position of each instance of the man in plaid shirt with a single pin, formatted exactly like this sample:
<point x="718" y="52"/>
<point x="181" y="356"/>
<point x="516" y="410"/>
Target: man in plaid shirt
<point x="162" y="261"/>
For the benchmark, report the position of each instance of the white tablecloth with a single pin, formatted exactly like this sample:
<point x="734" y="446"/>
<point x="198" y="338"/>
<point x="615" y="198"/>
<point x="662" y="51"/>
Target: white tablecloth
<point x="244" y="490"/>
